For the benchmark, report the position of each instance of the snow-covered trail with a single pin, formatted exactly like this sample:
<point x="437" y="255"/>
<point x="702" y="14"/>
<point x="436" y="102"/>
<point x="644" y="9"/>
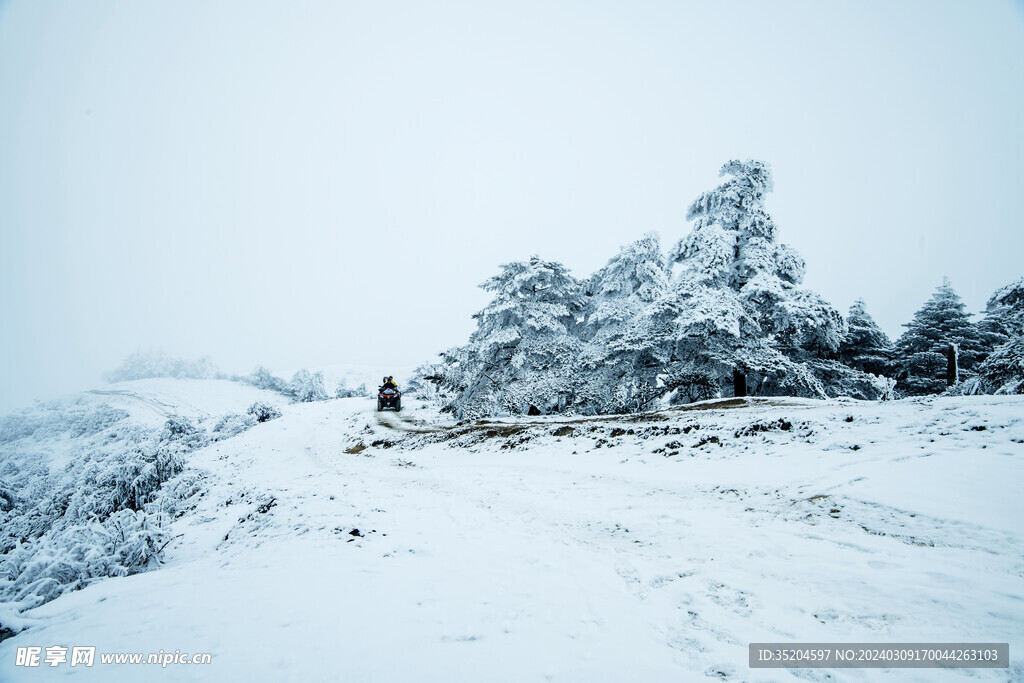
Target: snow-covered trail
<point x="161" y="408"/>
<point x="530" y="556"/>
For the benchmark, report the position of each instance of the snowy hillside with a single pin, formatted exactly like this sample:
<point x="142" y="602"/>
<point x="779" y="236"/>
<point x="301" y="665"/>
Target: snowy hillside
<point x="335" y="543"/>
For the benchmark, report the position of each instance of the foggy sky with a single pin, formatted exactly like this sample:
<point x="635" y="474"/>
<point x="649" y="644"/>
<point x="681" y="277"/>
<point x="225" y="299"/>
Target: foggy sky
<point x="307" y="183"/>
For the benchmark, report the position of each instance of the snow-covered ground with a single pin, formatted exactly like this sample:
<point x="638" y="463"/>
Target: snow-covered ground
<point x="334" y="543"/>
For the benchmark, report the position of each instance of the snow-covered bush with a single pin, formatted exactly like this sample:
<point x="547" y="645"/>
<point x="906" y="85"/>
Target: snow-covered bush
<point x="143" y="365"/>
<point x="307" y="387"/>
<point x="841" y="380"/>
<point x="343" y="391"/>
<point x="261" y="378"/>
<point x="691" y="382"/>
<point x="100" y="514"/>
<point x="434" y="383"/>
<point x="233" y="425"/>
<point x="127" y="542"/>
<point x="8" y="498"/>
<point x="263" y="412"/>
<point x="76" y="418"/>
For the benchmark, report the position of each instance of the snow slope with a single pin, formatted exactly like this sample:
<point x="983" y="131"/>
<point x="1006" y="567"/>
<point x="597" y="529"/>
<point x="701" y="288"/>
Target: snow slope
<point x="337" y="544"/>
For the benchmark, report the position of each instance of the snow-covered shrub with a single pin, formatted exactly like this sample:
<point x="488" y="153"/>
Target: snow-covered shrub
<point x="125" y="543"/>
<point x="343" y="391"/>
<point x="233" y="425"/>
<point x="261" y="378"/>
<point x="307" y="387"/>
<point x="839" y="380"/>
<point x="76" y="418"/>
<point x="8" y="499"/>
<point x="184" y="433"/>
<point x="690" y="382"/>
<point x="143" y="365"/>
<point x="437" y="383"/>
<point x="263" y="412"/>
<point x="176" y="492"/>
<point x="99" y="515"/>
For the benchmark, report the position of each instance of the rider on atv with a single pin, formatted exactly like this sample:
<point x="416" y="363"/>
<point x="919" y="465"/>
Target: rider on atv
<point x="388" y="396"/>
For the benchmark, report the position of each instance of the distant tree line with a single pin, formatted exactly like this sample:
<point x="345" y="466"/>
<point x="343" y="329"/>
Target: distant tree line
<point x="304" y="387"/>
<point x="721" y="314"/>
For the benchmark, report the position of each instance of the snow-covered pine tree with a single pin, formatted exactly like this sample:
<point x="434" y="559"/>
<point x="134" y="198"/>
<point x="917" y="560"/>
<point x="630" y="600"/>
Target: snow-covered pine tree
<point x="621" y="356"/>
<point x="425" y="383"/>
<point x="1004" y="315"/>
<point x="741" y="316"/>
<point x="1002" y="332"/>
<point x="941" y="329"/>
<point x="865" y="346"/>
<point x="1003" y="371"/>
<point x="524" y="351"/>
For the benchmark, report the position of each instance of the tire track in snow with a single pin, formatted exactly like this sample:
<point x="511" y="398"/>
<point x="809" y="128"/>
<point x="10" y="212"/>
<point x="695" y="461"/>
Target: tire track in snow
<point x="158" y="406"/>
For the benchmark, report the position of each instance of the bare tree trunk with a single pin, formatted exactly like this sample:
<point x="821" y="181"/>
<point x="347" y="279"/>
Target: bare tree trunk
<point x="952" y="365"/>
<point x="739" y="383"/>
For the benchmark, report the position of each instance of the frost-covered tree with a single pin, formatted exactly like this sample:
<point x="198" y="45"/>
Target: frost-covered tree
<point x="103" y="513"/>
<point x="147" y="364"/>
<point x="621" y="356"/>
<point x="1004" y="315"/>
<point x="306" y="387"/>
<point x="524" y="351"/>
<point x="428" y="383"/>
<point x="262" y="378"/>
<point x="732" y="317"/>
<point x="740" y="313"/>
<point x="940" y="342"/>
<point x="344" y="391"/>
<point x="1002" y="334"/>
<point x="1003" y="371"/>
<point x="865" y="346"/>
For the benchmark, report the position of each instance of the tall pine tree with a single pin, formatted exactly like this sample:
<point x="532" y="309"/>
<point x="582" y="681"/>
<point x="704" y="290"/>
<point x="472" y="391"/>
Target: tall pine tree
<point x="524" y="351"/>
<point x="741" y="313"/>
<point x="865" y="346"/>
<point x="621" y="354"/>
<point x="1004" y="315"/>
<point x="1002" y="332"/>
<point x="940" y="333"/>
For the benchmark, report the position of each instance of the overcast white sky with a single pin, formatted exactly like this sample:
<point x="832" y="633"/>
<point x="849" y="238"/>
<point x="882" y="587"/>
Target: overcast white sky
<point x="301" y="183"/>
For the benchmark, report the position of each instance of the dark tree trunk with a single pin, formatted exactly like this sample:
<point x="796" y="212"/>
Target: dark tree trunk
<point x="952" y="365"/>
<point x="739" y="383"/>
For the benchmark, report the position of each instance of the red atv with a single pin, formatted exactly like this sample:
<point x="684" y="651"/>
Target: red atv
<point x="389" y="399"/>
